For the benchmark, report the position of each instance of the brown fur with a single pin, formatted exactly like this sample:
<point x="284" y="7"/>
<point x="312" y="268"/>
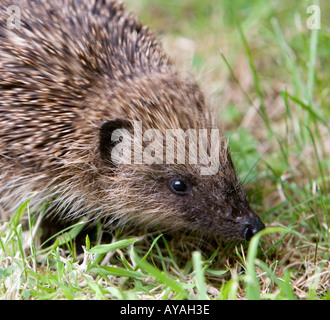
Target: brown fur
<point x="73" y="65"/>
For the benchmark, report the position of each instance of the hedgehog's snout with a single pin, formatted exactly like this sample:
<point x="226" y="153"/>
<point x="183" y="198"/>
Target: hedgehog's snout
<point x="251" y="227"/>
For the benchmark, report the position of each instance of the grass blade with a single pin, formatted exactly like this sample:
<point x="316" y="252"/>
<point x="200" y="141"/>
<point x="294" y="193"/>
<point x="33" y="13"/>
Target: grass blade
<point x="200" y="279"/>
<point x="105" y="248"/>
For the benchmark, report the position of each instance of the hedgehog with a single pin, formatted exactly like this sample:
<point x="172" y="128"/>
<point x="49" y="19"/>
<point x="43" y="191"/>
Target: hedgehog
<point x="78" y="79"/>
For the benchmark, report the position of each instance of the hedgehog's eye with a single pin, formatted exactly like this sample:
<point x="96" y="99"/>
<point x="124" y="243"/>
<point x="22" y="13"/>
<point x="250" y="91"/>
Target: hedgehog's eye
<point x="179" y="187"/>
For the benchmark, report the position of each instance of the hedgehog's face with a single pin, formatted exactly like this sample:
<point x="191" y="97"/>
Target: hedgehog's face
<point x="213" y="204"/>
<point x="173" y="196"/>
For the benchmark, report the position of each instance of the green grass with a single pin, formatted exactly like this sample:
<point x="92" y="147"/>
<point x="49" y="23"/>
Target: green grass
<point x="268" y="75"/>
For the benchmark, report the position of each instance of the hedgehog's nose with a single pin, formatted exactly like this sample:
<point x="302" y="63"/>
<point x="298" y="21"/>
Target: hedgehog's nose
<point x="252" y="227"/>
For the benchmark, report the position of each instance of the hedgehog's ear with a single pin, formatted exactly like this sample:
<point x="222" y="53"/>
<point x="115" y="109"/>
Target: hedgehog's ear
<point x="107" y="140"/>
